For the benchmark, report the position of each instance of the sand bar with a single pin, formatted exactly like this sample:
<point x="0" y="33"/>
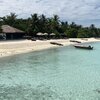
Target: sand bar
<point x="8" y="48"/>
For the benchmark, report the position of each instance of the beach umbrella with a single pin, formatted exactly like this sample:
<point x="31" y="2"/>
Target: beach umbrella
<point x="45" y="33"/>
<point x="52" y="34"/>
<point x="40" y="34"/>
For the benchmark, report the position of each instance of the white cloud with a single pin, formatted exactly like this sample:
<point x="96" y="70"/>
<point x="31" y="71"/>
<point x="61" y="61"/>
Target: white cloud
<point x="72" y="10"/>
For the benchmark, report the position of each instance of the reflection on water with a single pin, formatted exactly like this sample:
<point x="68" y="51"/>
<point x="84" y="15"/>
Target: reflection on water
<point x="56" y="74"/>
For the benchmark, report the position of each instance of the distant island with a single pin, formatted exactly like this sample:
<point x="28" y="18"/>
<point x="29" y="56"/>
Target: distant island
<point x="40" y="23"/>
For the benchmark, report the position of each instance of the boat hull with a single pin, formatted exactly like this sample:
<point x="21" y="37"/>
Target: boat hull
<point x="84" y="47"/>
<point x="55" y="43"/>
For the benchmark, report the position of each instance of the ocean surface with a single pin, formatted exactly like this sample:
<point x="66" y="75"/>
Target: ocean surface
<point x="64" y="73"/>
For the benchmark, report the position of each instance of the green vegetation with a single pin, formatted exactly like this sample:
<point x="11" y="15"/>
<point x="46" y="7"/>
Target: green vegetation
<point x="0" y="30"/>
<point x="40" y="23"/>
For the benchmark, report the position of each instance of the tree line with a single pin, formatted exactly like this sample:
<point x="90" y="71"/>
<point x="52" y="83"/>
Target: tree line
<point x="40" y="23"/>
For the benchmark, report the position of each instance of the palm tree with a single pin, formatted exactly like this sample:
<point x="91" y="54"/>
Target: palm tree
<point x="64" y="26"/>
<point x="34" y="23"/>
<point x="55" y="24"/>
<point x="9" y="19"/>
<point x="93" y="30"/>
<point x="42" y="23"/>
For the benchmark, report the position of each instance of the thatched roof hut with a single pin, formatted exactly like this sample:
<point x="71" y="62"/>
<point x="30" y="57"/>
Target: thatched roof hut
<point x="11" y="32"/>
<point x="9" y="29"/>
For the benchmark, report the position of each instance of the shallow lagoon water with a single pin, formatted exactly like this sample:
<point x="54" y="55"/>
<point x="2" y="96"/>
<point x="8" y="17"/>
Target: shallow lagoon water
<point x="64" y="73"/>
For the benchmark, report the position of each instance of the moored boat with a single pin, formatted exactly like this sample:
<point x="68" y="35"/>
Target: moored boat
<point x="84" y="47"/>
<point x="75" y="41"/>
<point x="55" y="43"/>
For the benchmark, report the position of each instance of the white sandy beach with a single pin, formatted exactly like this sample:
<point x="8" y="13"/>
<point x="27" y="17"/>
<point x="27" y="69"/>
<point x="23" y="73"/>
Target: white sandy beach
<point x="8" y="48"/>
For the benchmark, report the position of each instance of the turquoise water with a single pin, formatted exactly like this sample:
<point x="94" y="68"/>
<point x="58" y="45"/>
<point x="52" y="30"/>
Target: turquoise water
<point x="63" y="73"/>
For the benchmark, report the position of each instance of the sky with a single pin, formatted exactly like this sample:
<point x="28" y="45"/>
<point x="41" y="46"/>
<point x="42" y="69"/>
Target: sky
<point x="83" y="12"/>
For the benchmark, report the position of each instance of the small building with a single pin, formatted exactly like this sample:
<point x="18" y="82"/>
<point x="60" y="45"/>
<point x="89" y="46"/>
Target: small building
<point x="10" y="33"/>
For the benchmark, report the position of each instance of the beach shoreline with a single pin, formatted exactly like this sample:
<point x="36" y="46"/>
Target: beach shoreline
<point x="9" y="48"/>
